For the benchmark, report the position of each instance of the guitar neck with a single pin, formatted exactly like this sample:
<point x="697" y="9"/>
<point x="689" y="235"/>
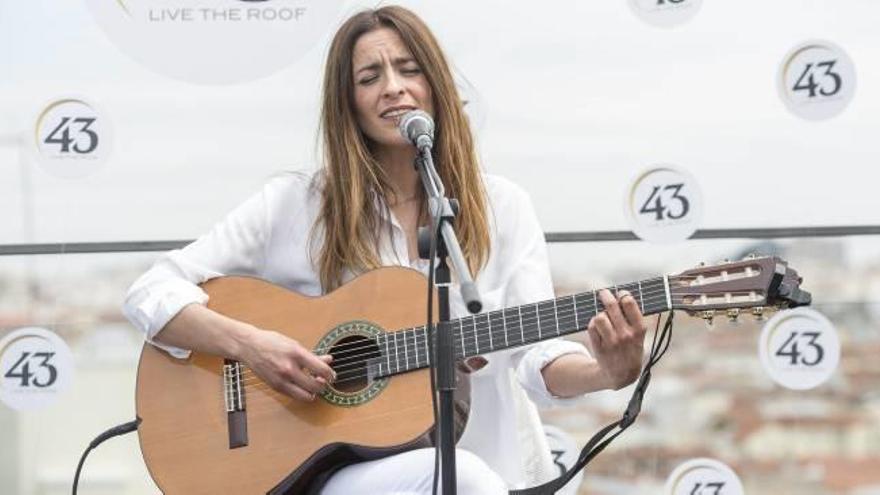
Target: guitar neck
<point x="407" y="349"/>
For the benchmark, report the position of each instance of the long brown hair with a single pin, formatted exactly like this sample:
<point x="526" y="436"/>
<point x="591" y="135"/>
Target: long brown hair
<point x="351" y="179"/>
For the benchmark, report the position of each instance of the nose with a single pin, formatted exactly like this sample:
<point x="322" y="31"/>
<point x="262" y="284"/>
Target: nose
<point x="393" y="85"/>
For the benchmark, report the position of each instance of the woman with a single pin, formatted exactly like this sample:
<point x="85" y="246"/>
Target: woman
<point x="362" y="211"/>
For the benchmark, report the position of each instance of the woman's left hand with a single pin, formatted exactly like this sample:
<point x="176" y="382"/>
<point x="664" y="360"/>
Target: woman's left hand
<point x="616" y="339"/>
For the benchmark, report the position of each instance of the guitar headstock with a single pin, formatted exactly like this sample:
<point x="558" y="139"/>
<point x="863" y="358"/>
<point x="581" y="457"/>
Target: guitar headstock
<point x="755" y="283"/>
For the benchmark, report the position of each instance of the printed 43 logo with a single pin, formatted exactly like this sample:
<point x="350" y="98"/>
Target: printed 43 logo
<point x="45" y="374"/>
<point x="36" y="367"/>
<point x="654" y="203"/>
<point x="72" y="137"/>
<point x="61" y="135"/>
<point x="812" y="87"/>
<point x="789" y="349"/>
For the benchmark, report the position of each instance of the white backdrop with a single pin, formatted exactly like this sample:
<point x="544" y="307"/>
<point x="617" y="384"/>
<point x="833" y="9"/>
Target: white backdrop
<point x="571" y="99"/>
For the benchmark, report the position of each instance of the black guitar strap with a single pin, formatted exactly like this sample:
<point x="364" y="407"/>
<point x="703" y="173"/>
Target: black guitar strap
<point x="599" y="441"/>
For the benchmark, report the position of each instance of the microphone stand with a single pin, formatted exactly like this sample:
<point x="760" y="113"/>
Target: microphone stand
<point x="443" y="209"/>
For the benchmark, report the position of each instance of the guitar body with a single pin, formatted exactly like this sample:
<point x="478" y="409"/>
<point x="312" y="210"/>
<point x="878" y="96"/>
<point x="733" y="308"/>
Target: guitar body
<point x="192" y="444"/>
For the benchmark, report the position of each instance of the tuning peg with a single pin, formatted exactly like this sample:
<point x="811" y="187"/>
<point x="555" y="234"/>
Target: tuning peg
<point x="708" y="315"/>
<point x="758" y="312"/>
<point x="701" y="264"/>
<point x="750" y="256"/>
<point x="733" y="314"/>
<point x="725" y="261"/>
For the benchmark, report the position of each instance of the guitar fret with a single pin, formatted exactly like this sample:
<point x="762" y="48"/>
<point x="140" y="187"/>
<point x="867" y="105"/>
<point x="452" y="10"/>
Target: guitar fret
<point x="668" y="295"/>
<point x="396" y="353"/>
<point x="490" y="327"/>
<point x="595" y="303"/>
<point x="476" y="340"/>
<point x="525" y="319"/>
<point x="538" y="314"/>
<point x="566" y="324"/>
<point x="427" y="347"/>
<point x="641" y="299"/>
<point x="387" y="353"/>
<point x="415" y="343"/>
<point x="587" y="311"/>
<point x="460" y="331"/>
<point x="463" y="349"/>
<point x="556" y="316"/>
<point x="405" y="351"/>
<point x="513" y="326"/>
<point x="522" y="330"/>
<point x="416" y="349"/>
<point x="491" y="344"/>
<point x="574" y="304"/>
<point x="485" y="339"/>
<point x="504" y="323"/>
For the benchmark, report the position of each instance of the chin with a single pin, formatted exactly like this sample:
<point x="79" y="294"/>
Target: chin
<point x="391" y="140"/>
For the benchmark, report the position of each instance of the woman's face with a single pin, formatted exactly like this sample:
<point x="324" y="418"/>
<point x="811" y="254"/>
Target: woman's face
<point x="388" y="83"/>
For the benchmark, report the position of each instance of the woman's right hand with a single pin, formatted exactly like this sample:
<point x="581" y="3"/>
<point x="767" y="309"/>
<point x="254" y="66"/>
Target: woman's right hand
<point x="280" y="361"/>
<point x="286" y="365"/>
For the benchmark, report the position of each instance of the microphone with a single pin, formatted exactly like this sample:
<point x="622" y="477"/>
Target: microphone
<point x="417" y="127"/>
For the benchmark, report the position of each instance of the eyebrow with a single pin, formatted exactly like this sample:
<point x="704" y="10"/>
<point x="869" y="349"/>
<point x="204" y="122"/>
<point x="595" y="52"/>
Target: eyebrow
<point x="377" y="65"/>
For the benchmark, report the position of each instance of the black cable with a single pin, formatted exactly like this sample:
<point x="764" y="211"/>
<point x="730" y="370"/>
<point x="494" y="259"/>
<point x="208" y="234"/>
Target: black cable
<point x="659" y="345"/>
<point x="112" y="432"/>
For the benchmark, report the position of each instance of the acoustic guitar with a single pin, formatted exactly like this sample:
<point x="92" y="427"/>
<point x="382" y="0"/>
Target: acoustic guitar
<point x="210" y="425"/>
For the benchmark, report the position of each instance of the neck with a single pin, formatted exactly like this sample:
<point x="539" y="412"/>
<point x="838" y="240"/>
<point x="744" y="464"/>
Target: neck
<point x="407" y="349"/>
<point x="398" y="165"/>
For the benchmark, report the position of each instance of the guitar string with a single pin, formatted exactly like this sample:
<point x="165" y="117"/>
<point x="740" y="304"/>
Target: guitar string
<point x="269" y="393"/>
<point x="545" y="314"/>
<point x="262" y="386"/>
<point x="481" y="327"/>
<point x="566" y="314"/>
<point x="566" y="308"/>
<point x="626" y="286"/>
<point x="372" y="348"/>
<point x="547" y="302"/>
<point x="565" y="317"/>
<point x="586" y="294"/>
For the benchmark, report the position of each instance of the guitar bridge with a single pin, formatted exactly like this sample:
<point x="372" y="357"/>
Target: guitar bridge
<point x="233" y="394"/>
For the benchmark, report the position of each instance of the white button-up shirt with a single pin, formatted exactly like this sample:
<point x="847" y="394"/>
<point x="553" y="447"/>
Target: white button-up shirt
<point x="268" y="236"/>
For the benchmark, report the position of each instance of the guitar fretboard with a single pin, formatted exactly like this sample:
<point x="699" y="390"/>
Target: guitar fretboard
<point x="408" y="349"/>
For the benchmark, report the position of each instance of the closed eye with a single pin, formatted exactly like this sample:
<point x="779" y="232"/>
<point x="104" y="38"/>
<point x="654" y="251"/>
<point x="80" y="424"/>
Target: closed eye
<point x="368" y="80"/>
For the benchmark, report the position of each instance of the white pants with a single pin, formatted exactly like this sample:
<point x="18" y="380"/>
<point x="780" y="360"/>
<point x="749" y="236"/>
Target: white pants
<point x="412" y="473"/>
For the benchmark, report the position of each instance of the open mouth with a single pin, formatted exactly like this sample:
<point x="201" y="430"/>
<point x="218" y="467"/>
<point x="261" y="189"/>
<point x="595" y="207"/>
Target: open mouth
<point x="395" y="114"/>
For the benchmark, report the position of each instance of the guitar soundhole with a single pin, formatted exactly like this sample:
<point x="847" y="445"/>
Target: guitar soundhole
<point x="350" y="357"/>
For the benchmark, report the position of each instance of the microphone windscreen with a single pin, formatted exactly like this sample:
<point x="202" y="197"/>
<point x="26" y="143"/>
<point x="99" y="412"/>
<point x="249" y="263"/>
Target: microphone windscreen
<point x="414" y="124"/>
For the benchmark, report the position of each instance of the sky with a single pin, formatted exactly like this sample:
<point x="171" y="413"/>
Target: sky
<point x="572" y="101"/>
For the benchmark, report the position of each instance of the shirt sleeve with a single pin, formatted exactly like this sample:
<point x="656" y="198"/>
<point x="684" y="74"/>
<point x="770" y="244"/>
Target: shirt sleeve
<point x="234" y="246"/>
<point x="530" y="282"/>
